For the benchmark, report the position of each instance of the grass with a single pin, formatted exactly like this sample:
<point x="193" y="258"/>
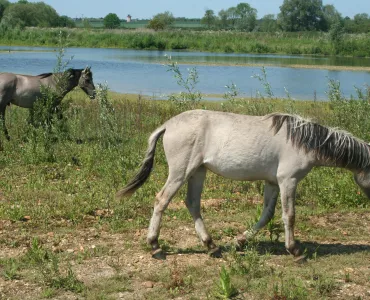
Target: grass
<point x="141" y="24"/>
<point x="63" y="232"/>
<point x="356" y="45"/>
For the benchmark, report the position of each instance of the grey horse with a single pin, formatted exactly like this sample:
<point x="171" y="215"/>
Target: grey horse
<point x="24" y="90"/>
<point x="280" y="149"/>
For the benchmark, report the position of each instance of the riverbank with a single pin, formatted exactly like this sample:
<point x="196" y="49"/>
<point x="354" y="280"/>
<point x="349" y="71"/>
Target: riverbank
<point x="311" y="43"/>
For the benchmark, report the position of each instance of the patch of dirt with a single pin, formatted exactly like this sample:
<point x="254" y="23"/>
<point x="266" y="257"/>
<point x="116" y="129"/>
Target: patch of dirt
<point x="349" y="225"/>
<point x="97" y="255"/>
<point x="18" y="289"/>
<point x="353" y="291"/>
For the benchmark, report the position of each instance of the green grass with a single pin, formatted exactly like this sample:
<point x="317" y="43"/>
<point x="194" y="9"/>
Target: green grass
<point x="64" y="232"/>
<point x="141" y="24"/>
<point x="212" y="41"/>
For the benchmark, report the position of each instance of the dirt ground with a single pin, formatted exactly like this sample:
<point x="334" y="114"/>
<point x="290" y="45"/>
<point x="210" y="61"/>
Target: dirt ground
<point x="101" y="259"/>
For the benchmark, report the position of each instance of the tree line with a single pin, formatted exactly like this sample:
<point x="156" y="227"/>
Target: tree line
<point x="24" y="13"/>
<point x="294" y="16"/>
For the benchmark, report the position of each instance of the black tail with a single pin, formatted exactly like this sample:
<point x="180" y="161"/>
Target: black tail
<point x="146" y="166"/>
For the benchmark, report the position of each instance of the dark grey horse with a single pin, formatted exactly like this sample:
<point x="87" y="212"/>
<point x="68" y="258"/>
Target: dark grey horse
<point x="24" y="90"/>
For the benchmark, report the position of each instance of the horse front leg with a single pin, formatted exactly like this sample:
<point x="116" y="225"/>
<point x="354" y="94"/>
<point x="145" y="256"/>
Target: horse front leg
<point x="288" y="189"/>
<point x="2" y="117"/>
<point x="270" y="195"/>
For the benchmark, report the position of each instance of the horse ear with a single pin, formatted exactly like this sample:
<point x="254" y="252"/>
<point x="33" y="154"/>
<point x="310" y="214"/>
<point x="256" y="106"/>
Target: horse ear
<point x="70" y="72"/>
<point x="87" y="70"/>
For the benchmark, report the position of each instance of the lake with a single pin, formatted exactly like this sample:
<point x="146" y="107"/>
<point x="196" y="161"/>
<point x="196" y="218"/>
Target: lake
<point x="141" y="71"/>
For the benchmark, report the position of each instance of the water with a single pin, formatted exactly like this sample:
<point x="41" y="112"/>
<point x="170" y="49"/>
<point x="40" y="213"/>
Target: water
<point x="140" y="71"/>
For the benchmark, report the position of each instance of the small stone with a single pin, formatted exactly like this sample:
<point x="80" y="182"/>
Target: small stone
<point x="148" y="284"/>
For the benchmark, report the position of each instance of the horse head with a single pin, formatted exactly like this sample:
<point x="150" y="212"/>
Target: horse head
<point x="86" y="82"/>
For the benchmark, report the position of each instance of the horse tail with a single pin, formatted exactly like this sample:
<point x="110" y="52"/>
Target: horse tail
<point x="146" y="166"/>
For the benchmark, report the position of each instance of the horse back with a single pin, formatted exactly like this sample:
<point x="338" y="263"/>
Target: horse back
<point x="235" y="146"/>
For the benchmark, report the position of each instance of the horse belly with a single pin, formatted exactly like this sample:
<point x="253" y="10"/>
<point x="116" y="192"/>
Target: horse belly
<point x="243" y="169"/>
<point x="25" y="99"/>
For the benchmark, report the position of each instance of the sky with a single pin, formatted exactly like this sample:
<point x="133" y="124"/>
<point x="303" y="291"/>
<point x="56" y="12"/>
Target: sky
<point x="146" y="9"/>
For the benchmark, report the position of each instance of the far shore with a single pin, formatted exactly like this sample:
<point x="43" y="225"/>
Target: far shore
<point x="295" y="66"/>
<point x="236" y="64"/>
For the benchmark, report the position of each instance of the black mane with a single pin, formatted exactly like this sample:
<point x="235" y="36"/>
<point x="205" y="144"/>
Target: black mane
<point x="45" y="75"/>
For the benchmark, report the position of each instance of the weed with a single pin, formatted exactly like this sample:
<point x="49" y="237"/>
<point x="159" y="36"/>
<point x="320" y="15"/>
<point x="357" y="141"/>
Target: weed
<point x="249" y="263"/>
<point x="190" y="98"/>
<point x="289" y="289"/>
<point x="47" y="264"/>
<point x="48" y="293"/>
<point x="323" y="285"/>
<point x="274" y="228"/>
<point x="67" y="282"/>
<point x="266" y="85"/>
<point x="231" y="93"/>
<point x="10" y="269"/>
<point x="178" y="282"/>
<point x="347" y="277"/>
<point x="225" y="289"/>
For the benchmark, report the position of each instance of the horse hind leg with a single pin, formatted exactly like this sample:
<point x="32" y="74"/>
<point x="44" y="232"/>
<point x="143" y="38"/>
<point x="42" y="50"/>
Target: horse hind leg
<point x="271" y="192"/>
<point x="163" y="198"/>
<point x="195" y="187"/>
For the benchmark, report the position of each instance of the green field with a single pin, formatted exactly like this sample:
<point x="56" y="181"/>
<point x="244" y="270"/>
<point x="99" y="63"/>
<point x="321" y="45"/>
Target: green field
<point x="213" y="41"/>
<point x="64" y="235"/>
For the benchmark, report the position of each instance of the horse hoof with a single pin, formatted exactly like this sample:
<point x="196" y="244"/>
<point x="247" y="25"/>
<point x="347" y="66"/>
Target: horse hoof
<point x="249" y="234"/>
<point x="240" y="242"/>
<point x="295" y="249"/>
<point x="159" y="254"/>
<point x="300" y="259"/>
<point x="215" y="253"/>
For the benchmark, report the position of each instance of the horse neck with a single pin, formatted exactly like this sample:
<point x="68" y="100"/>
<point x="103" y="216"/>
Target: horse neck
<point x="332" y="164"/>
<point x="56" y="81"/>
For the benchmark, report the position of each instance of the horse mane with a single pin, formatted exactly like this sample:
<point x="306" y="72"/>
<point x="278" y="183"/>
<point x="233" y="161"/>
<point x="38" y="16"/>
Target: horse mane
<point x="45" y="75"/>
<point x="326" y="143"/>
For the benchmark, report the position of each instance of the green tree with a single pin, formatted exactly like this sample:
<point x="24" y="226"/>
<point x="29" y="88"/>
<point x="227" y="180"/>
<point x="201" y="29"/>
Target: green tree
<point x="361" y="22"/>
<point x="331" y="16"/>
<point x="161" y="21"/>
<point x="65" y="21"/>
<point x="301" y="15"/>
<point x="223" y="21"/>
<point x="111" y="21"/>
<point x="45" y="15"/>
<point x="246" y="17"/>
<point x="25" y="13"/>
<point x="232" y="17"/>
<point x="268" y="23"/>
<point x="209" y="18"/>
<point x="3" y="5"/>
